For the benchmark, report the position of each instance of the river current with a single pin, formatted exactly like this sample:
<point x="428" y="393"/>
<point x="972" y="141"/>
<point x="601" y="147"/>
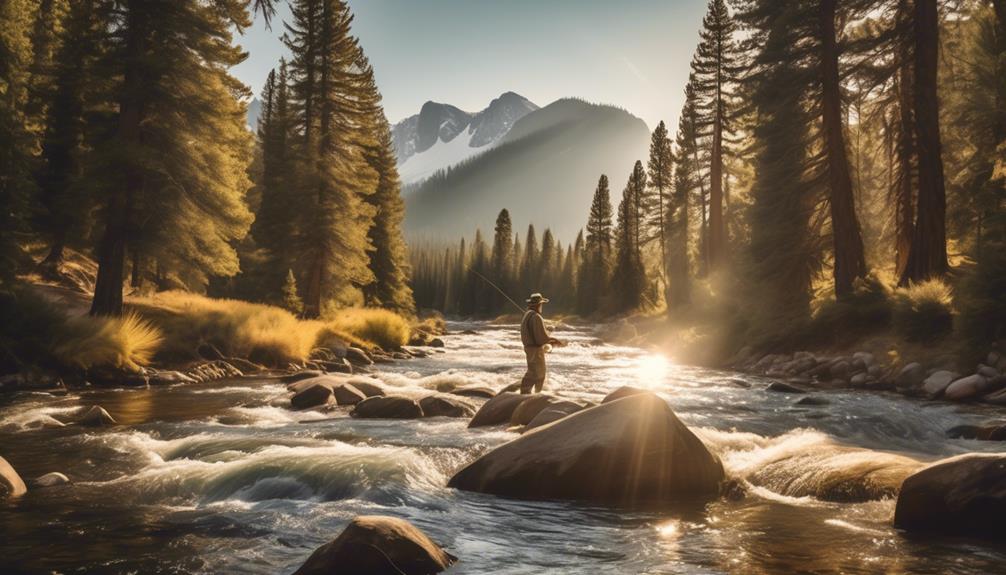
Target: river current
<point x="223" y="478"/>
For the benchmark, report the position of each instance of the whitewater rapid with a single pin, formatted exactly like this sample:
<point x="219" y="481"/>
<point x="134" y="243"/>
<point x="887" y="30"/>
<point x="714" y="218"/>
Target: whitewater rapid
<point x="224" y="478"/>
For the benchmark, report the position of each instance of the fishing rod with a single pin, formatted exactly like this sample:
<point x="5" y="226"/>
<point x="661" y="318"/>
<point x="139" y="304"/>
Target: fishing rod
<point x="502" y="293"/>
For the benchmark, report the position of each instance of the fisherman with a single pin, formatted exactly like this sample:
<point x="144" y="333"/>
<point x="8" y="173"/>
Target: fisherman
<point x="537" y="342"/>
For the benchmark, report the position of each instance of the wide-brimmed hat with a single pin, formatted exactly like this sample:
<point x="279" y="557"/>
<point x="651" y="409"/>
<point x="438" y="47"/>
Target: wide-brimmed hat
<point x="537" y="298"/>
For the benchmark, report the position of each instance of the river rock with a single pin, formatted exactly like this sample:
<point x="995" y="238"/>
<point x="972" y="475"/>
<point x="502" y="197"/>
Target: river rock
<point x="445" y="406"/>
<point x="301" y="375"/>
<point x="553" y="412"/>
<point x="912" y="375"/>
<point x="437" y="342"/>
<point x="512" y="388"/>
<point x="780" y="387"/>
<point x="812" y="401"/>
<point x="339" y="365"/>
<point x="631" y="451"/>
<point x="107" y="376"/>
<point x="474" y="391"/>
<point x="358" y="356"/>
<point x="348" y="394"/>
<point x="835" y="473"/>
<point x="624" y="391"/>
<point x="960" y="495"/>
<point x="996" y="398"/>
<point x="937" y="383"/>
<point x="170" y="378"/>
<point x="378" y="545"/>
<point x="387" y="407"/>
<point x="369" y="388"/>
<point x="498" y="410"/>
<point x="990" y="432"/>
<point x="314" y="395"/>
<point x="11" y="484"/>
<point x="966" y="388"/>
<point x="527" y="410"/>
<point x="840" y="369"/>
<point x="96" y="416"/>
<point x="51" y="480"/>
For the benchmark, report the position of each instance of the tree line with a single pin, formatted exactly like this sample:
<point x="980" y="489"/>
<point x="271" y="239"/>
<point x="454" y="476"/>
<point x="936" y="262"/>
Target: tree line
<point x="823" y="148"/>
<point x="123" y="135"/>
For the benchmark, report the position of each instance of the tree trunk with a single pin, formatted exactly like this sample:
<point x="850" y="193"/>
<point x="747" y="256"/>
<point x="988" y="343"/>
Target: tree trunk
<point x="904" y="196"/>
<point x="112" y="249"/>
<point x="136" y="279"/>
<point x="850" y="262"/>
<point x="927" y="257"/>
<point x="717" y="235"/>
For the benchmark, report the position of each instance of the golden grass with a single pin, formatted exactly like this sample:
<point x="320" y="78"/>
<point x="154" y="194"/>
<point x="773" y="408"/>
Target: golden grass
<point x="384" y="328"/>
<point x="923" y="311"/>
<point x="127" y="342"/>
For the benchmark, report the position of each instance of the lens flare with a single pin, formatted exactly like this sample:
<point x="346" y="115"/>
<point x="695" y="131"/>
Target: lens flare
<point x="652" y="370"/>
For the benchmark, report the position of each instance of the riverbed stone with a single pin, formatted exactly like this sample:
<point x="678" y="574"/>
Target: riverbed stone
<point x="11" y="484"/>
<point x="624" y="391"/>
<point x="474" y="391"/>
<point x="937" y="383"/>
<point x="170" y="378"/>
<point x="387" y="407"/>
<point x="498" y="410"/>
<point x="554" y="412"/>
<point x="437" y="342"/>
<point x="378" y="545"/>
<point x="51" y="479"/>
<point x="987" y="371"/>
<point x="314" y="395"/>
<point x="96" y="416"/>
<point x="368" y="387"/>
<point x="301" y="375"/>
<point x="963" y="495"/>
<point x="526" y="411"/>
<point x="909" y="376"/>
<point x="347" y="394"/>
<point x="966" y="388"/>
<point x="780" y="387"/>
<point x="633" y="451"/>
<point x="987" y="432"/>
<point x="445" y="406"/>
<point x="812" y="401"/>
<point x="358" y="356"/>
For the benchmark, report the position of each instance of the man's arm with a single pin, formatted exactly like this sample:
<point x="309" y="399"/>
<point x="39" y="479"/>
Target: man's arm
<point x="541" y="335"/>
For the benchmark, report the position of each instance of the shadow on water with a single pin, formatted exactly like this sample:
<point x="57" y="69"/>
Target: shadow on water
<point x="221" y="478"/>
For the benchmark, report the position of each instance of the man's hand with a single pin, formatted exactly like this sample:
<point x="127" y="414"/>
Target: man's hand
<point x="556" y="342"/>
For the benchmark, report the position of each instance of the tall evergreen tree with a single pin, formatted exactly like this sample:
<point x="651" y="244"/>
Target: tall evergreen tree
<point x="638" y="193"/>
<point x="715" y="71"/>
<point x="595" y="266"/>
<point x="628" y="278"/>
<point x="687" y="180"/>
<point x="176" y="164"/>
<point x="660" y="168"/>
<point x="529" y="274"/>
<point x="502" y="253"/>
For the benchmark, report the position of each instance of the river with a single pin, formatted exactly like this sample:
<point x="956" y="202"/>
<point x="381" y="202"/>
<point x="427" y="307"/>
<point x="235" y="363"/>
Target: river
<point x="222" y="478"/>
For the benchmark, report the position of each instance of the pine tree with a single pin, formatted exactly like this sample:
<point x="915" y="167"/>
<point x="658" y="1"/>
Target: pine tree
<point x="174" y="171"/>
<point x="291" y="300"/>
<point x="661" y="182"/>
<point x="548" y="265"/>
<point x="628" y="277"/>
<point x="595" y="267"/>
<point x="716" y="71"/>
<point x="530" y="277"/>
<point x="687" y="179"/>
<point x="501" y="265"/>
<point x="639" y="200"/>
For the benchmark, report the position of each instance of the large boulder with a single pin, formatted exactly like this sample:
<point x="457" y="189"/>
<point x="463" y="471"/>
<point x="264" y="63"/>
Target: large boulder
<point x="554" y="412"/>
<point x="631" y="451"/>
<point x="624" y="391"/>
<point x="387" y="407"/>
<point x="937" y="383"/>
<point x="498" y="410"/>
<point x="96" y="416"/>
<point x="315" y="395"/>
<point x="358" y="356"/>
<point x="526" y="411"/>
<point x="11" y="484"/>
<point x="369" y="388"/>
<point x="960" y="495"/>
<point x="348" y="394"/>
<point x="910" y="376"/>
<point x="445" y="406"/>
<point x="378" y="545"/>
<point x="474" y="391"/>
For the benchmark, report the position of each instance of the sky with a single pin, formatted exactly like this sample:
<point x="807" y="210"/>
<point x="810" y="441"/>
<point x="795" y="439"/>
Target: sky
<point x="633" y="54"/>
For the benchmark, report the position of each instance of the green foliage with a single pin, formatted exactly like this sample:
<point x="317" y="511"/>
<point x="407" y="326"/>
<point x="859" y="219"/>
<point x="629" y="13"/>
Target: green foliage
<point x="291" y="299"/>
<point x="923" y="312"/>
<point x="866" y="310"/>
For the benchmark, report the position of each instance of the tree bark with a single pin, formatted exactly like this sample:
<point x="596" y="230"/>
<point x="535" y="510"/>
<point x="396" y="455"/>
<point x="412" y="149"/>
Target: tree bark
<point x="927" y="257"/>
<point x="904" y="195"/>
<point x="850" y="263"/>
<point x="717" y="235"/>
<point x="112" y="248"/>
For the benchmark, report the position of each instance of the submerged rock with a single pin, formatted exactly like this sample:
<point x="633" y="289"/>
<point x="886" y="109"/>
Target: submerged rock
<point x="96" y="416"/>
<point x="368" y="388"/>
<point x="624" y="391"/>
<point x="445" y="406"/>
<point x="170" y="378"/>
<point x="780" y="387"/>
<point x="498" y="410"/>
<point x="991" y="432"/>
<point x="378" y="545"/>
<point x="314" y="395"/>
<point x="301" y="375"/>
<point x="960" y="495"/>
<point x="387" y="407"/>
<point x="11" y="484"/>
<point x="835" y="473"/>
<point x="437" y="342"/>
<point x="812" y="401"/>
<point x="631" y="451"/>
<point x="474" y="391"/>
<point x="51" y="480"/>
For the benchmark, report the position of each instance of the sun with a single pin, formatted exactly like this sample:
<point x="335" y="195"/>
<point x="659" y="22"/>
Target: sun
<point x="651" y="370"/>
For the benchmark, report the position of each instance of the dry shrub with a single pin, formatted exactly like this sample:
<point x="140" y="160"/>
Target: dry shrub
<point x="923" y="312"/>
<point x="126" y="342"/>
<point x="381" y="327"/>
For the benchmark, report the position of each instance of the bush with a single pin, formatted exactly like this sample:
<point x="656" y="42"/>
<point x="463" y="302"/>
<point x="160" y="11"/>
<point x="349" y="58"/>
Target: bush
<point x="381" y="327"/>
<point x="29" y="328"/>
<point x="866" y="310"/>
<point x="982" y="304"/>
<point x="923" y="312"/>
<point x="126" y="342"/>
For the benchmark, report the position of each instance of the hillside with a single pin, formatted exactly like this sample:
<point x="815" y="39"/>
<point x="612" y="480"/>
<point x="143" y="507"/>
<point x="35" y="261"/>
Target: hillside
<point x="544" y="171"/>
